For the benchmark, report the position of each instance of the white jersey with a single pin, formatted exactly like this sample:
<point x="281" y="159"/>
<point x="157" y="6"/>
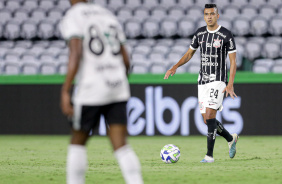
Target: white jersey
<point x="101" y="77"/>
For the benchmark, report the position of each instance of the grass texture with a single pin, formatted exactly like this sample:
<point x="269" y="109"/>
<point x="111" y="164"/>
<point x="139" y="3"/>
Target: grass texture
<point x="42" y="160"/>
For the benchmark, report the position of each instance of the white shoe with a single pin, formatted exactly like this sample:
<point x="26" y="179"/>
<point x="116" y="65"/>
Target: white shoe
<point x="232" y="145"/>
<point x="207" y="159"/>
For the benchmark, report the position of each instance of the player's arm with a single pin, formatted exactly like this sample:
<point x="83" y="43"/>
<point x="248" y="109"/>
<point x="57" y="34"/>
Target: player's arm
<point x="125" y="58"/>
<point x="233" y="66"/>
<point x="187" y="56"/>
<point x="75" y="53"/>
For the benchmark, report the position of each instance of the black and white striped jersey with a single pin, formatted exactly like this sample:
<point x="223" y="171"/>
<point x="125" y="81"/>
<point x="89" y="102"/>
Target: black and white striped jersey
<point x="214" y="46"/>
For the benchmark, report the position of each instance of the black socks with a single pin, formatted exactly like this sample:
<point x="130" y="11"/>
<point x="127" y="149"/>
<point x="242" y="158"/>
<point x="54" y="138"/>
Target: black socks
<point x="212" y="129"/>
<point x="223" y="132"/>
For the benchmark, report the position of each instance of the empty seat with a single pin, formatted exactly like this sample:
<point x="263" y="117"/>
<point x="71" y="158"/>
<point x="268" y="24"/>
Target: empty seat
<point x="26" y="44"/>
<point x="63" y="4"/>
<point x="132" y="28"/>
<point x="45" y="29"/>
<point x="150" y="3"/>
<point x="259" y="26"/>
<point x="195" y="12"/>
<point x="5" y="15"/>
<point x="48" y="68"/>
<point x="62" y="68"/>
<point x="257" y="3"/>
<point x="268" y="63"/>
<point x="186" y="27"/>
<point x="28" y="30"/>
<point x="38" y="15"/>
<point x="125" y="12"/>
<point x="12" y="30"/>
<point x="148" y="42"/>
<point x="11" y="68"/>
<point x="174" y="56"/>
<point x="161" y="48"/>
<point x="21" y="15"/>
<point x="30" y="68"/>
<point x="62" y="57"/>
<point x="193" y="68"/>
<point x="159" y="13"/>
<point x="185" y="3"/>
<point x="260" y="69"/>
<point x="141" y="13"/>
<point x="249" y="11"/>
<point x="115" y="4"/>
<point x="275" y="39"/>
<point x="165" y="42"/>
<point x="183" y="42"/>
<point x="241" y="26"/>
<point x="156" y="56"/>
<point x="257" y="39"/>
<point x="13" y="5"/>
<point x="55" y="13"/>
<point x="176" y="12"/>
<point x="2" y="4"/>
<point x="240" y="40"/>
<point x="158" y="68"/>
<point x="11" y="56"/>
<point x="221" y="3"/>
<point x="267" y="11"/>
<point x="150" y="28"/>
<point x="133" y="3"/>
<point x="231" y="11"/>
<point x="29" y="56"/>
<point x="275" y="3"/>
<point x="47" y="56"/>
<point x="58" y="44"/>
<point x="100" y="2"/>
<point x="167" y="3"/>
<point x="275" y="25"/>
<point x="252" y="50"/>
<point x="139" y="56"/>
<point x="239" y="3"/>
<point x="225" y="22"/>
<point x="30" y="4"/>
<point x="139" y="68"/>
<point x="271" y="50"/>
<point x="201" y="23"/>
<point x="46" y="4"/>
<point x="276" y="69"/>
<point x="168" y="27"/>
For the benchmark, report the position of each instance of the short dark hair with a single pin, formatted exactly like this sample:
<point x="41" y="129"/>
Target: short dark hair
<point x="211" y="6"/>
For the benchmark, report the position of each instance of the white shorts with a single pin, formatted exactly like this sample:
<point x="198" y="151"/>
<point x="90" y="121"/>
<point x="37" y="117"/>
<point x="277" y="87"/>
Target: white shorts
<point x="210" y="95"/>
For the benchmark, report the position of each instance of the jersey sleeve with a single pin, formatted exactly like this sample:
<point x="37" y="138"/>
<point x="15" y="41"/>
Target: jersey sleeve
<point x="70" y="26"/>
<point x="194" y="43"/>
<point x="231" y="46"/>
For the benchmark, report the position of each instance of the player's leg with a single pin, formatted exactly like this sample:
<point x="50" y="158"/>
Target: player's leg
<point x="128" y="161"/>
<point x="77" y="153"/>
<point x="220" y="129"/>
<point x="77" y="158"/>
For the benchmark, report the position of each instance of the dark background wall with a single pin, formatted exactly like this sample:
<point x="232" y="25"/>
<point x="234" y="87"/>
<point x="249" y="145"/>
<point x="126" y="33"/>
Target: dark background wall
<point x="34" y="109"/>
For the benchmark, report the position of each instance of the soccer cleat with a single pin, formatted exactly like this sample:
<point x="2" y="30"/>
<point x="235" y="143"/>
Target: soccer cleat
<point x="207" y="159"/>
<point x="232" y="146"/>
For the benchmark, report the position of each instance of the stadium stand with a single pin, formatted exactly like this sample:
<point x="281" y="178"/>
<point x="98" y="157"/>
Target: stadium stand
<point x="158" y="32"/>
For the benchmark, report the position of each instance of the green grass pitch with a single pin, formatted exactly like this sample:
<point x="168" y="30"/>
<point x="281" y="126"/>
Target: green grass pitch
<point x="42" y="159"/>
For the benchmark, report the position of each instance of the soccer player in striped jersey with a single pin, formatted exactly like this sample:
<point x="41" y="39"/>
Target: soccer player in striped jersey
<point x="215" y="42"/>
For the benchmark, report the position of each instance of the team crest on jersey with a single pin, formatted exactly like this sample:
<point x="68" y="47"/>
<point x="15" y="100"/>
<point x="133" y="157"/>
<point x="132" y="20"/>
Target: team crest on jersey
<point x="216" y="43"/>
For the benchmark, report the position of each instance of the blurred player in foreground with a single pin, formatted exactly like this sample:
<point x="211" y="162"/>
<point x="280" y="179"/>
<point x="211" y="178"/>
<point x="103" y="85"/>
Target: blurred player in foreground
<point x="215" y="43"/>
<point x="99" y="62"/>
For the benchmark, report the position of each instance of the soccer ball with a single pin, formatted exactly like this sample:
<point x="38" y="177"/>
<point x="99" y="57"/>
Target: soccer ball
<point x="170" y="153"/>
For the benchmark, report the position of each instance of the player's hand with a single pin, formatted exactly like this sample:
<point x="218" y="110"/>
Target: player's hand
<point x="66" y="106"/>
<point x="229" y="89"/>
<point x="169" y="72"/>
